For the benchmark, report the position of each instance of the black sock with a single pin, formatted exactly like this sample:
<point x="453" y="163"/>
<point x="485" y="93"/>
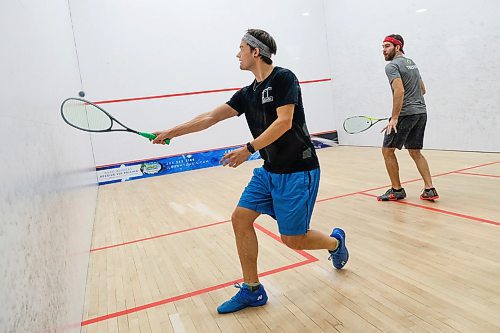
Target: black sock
<point x="397" y="190"/>
<point x="253" y="286"/>
<point x="429" y="189"/>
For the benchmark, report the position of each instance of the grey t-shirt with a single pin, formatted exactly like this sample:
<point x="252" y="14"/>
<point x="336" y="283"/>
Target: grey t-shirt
<point x="405" y="68"/>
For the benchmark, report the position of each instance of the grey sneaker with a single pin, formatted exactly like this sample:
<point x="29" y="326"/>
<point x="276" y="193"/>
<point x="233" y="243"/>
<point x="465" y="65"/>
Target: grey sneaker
<point x="429" y="194"/>
<point x="392" y="195"/>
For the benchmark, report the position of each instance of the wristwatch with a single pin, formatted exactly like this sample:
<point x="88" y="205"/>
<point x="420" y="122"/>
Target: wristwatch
<point x="250" y="148"/>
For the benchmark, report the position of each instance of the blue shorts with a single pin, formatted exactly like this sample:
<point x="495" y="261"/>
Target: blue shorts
<point x="288" y="198"/>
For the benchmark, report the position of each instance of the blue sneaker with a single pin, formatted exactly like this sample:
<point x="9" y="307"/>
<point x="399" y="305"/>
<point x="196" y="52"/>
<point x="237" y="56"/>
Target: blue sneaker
<point x="244" y="298"/>
<point x="340" y="256"/>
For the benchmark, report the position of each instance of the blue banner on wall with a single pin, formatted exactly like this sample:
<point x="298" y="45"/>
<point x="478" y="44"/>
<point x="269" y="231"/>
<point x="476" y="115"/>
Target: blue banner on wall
<point x="184" y="162"/>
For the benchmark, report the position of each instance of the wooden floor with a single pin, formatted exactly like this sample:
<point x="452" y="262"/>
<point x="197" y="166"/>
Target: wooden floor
<point x="164" y="255"/>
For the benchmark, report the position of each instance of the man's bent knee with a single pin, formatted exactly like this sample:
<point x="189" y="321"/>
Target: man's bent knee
<point x="293" y="242"/>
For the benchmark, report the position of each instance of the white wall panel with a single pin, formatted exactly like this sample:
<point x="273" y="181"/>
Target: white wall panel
<point x="454" y="43"/>
<point x="48" y="191"/>
<point x="147" y="48"/>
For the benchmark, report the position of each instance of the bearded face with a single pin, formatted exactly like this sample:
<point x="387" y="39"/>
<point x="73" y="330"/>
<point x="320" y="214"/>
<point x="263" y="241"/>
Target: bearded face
<point x="389" y="51"/>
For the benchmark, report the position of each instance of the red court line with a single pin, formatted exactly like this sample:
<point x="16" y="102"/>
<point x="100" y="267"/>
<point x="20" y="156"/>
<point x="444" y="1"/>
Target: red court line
<point x="188" y="93"/>
<point x="157" y="303"/>
<point x="468" y="217"/>
<point x="186" y="295"/>
<point x="406" y="182"/>
<point x="309" y="259"/>
<point x="464" y="169"/>
<point x="158" y="236"/>
<point x="477" y="174"/>
<point x="315" y="81"/>
<point x="278" y="238"/>
<point x="338" y="196"/>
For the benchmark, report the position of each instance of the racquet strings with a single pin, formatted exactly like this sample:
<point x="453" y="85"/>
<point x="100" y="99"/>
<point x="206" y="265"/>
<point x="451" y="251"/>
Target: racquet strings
<point x="357" y="124"/>
<point x="85" y="116"/>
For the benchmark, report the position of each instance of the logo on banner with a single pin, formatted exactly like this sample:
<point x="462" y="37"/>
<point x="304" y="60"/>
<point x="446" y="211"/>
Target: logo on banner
<point x="151" y="168"/>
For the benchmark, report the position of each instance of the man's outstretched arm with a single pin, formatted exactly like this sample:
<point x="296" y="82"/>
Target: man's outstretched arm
<point x="198" y="123"/>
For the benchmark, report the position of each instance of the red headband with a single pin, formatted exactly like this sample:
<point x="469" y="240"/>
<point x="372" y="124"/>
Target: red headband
<point x="394" y="41"/>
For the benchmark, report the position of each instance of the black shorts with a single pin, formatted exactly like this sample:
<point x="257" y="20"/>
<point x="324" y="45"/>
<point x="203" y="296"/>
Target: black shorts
<point x="410" y="133"/>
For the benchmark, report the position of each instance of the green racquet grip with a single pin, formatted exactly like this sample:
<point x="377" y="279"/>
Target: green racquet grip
<point x="152" y="136"/>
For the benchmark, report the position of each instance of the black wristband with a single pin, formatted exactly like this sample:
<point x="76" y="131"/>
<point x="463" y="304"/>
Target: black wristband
<point x="250" y="148"/>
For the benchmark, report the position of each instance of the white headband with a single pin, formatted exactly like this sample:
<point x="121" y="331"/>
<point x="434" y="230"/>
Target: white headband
<point x="255" y="43"/>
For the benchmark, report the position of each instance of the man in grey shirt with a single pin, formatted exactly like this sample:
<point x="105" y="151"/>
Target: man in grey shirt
<point x="407" y="123"/>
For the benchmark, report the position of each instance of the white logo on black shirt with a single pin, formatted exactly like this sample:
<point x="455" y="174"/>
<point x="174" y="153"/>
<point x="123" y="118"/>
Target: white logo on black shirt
<point x="265" y="95"/>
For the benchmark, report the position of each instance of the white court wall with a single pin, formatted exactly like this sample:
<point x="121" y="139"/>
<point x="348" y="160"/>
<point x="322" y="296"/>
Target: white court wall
<point x="454" y="43"/>
<point x="146" y="48"/>
<point x="48" y="192"/>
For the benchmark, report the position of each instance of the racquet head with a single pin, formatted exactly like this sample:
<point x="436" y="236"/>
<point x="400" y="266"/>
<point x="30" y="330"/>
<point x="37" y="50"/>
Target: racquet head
<point x="358" y="124"/>
<point x="85" y="116"/>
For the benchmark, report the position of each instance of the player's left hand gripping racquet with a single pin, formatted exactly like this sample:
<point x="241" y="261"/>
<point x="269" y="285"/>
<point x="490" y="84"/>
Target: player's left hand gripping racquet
<point x="87" y="116"/>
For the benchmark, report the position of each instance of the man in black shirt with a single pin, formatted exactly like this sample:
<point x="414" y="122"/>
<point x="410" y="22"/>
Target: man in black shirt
<point x="286" y="186"/>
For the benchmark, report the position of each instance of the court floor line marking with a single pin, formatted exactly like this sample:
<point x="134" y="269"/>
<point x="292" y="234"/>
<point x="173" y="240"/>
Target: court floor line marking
<point x="308" y="259"/>
<point x="278" y="238"/>
<point x="477" y="174"/>
<point x="469" y="168"/>
<point x="464" y="216"/>
<point x="157" y="236"/>
<point x="407" y="181"/>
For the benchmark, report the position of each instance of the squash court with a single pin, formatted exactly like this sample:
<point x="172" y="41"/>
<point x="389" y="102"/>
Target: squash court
<point x="107" y="232"/>
<point x="163" y="254"/>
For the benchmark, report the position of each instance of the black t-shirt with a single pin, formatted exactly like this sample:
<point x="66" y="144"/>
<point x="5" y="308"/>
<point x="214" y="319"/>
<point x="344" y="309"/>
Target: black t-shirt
<point x="293" y="151"/>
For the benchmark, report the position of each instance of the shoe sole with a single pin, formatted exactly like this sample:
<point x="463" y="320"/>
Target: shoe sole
<point x="253" y="305"/>
<point x="391" y="199"/>
<point x="430" y="198"/>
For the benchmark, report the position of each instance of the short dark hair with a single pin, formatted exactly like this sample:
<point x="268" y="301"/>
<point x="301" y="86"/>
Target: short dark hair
<point x="265" y="38"/>
<point x="400" y="38"/>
